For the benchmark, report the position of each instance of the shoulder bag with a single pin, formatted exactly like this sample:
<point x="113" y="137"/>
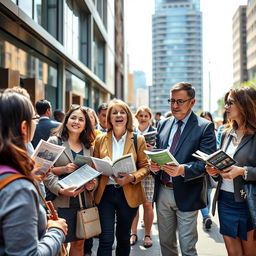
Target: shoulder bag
<point x="88" y="220"/>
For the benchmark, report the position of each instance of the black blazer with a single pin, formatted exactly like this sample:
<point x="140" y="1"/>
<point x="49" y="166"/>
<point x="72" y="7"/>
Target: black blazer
<point x="43" y="130"/>
<point x="198" y="134"/>
<point x="245" y="155"/>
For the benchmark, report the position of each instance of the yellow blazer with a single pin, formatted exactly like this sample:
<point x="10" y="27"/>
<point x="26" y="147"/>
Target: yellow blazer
<point x="134" y="193"/>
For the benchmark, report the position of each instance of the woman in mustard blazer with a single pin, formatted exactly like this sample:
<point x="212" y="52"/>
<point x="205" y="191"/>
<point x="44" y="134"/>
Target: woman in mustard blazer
<point x="118" y="198"/>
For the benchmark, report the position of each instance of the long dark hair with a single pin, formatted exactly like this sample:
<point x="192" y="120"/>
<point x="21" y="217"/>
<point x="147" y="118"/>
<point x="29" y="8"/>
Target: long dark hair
<point x="86" y="137"/>
<point x="245" y="101"/>
<point x="14" y="109"/>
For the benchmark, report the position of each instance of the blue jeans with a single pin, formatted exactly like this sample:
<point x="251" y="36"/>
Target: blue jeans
<point x="206" y="211"/>
<point x="113" y="203"/>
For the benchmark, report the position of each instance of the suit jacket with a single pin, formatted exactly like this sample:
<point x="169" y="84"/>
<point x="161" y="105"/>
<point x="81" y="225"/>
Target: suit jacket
<point x="51" y="182"/>
<point x="43" y="130"/>
<point x="245" y="155"/>
<point x="134" y="193"/>
<point x="198" y="134"/>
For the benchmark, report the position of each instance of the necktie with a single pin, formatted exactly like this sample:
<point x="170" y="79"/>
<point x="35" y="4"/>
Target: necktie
<point x="175" y="140"/>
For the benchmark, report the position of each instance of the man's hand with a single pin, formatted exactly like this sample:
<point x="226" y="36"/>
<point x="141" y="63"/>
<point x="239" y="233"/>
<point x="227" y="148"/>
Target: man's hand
<point x="173" y="170"/>
<point x="211" y="170"/>
<point x="154" y="167"/>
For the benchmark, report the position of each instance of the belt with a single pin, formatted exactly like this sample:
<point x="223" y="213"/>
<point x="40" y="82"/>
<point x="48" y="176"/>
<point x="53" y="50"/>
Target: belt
<point x="168" y="185"/>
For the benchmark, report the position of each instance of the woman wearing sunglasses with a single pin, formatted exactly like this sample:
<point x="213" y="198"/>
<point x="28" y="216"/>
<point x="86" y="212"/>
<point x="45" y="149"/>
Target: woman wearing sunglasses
<point x="239" y="141"/>
<point x="23" y="223"/>
<point x="76" y="135"/>
<point x="118" y="198"/>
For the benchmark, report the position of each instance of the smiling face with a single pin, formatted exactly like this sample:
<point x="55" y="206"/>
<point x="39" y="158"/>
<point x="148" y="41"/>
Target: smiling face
<point x="76" y="122"/>
<point x="144" y="118"/>
<point x="118" y="117"/>
<point x="180" y="111"/>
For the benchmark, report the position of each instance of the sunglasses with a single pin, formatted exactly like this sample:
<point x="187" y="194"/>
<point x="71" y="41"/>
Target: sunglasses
<point x="229" y="103"/>
<point x="179" y="102"/>
<point x="73" y="106"/>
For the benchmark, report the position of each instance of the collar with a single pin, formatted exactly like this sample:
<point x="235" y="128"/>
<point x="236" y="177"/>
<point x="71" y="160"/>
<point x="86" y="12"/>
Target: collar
<point x="184" y="120"/>
<point x="121" y="140"/>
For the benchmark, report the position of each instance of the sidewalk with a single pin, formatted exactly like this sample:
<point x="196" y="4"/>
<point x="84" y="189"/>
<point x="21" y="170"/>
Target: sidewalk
<point x="210" y="243"/>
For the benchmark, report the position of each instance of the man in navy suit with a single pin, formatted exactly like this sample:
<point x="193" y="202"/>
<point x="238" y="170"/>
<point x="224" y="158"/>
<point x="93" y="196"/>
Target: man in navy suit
<point x="45" y="124"/>
<point x="181" y="190"/>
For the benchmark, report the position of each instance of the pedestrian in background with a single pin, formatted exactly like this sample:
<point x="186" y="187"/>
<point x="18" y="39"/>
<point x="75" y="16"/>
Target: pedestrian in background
<point x="23" y="224"/>
<point x="102" y="115"/>
<point x="119" y="196"/>
<point x="239" y="141"/>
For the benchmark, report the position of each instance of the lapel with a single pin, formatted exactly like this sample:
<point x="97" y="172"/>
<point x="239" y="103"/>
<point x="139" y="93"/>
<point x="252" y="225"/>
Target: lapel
<point x="67" y="151"/>
<point x="168" y="128"/>
<point x="244" y="140"/>
<point x="128" y="143"/>
<point x="186" y="131"/>
<point x="108" y="143"/>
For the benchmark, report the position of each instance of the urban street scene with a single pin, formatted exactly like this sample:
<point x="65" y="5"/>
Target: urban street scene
<point x="128" y="127"/>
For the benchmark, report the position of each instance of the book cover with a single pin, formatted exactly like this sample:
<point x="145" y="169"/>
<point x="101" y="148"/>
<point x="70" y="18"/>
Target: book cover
<point x="161" y="156"/>
<point x="150" y="137"/>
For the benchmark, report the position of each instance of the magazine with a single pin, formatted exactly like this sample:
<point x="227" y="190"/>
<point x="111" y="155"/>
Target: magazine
<point x="45" y="155"/>
<point x="161" y="156"/>
<point x="150" y="137"/>
<point x="82" y="160"/>
<point x="218" y="159"/>
<point x="79" y="177"/>
<point x="124" y="164"/>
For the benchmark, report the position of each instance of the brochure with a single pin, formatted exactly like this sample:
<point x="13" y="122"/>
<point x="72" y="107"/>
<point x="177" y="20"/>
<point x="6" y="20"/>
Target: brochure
<point x="79" y="177"/>
<point x="45" y="155"/>
<point x="82" y="160"/>
<point x="218" y="159"/>
<point x="161" y="156"/>
<point x="124" y="164"/>
<point x="150" y="137"/>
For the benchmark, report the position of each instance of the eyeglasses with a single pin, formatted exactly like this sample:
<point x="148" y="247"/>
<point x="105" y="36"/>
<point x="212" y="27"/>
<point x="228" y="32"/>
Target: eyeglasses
<point x="229" y="103"/>
<point x="179" y="102"/>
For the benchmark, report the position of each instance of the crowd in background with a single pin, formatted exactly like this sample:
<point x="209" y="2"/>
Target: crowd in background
<point x="178" y="190"/>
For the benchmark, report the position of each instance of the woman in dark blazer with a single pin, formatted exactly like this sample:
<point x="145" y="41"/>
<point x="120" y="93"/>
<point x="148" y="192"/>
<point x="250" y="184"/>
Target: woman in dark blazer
<point x="76" y="135"/>
<point x="239" y="141"/>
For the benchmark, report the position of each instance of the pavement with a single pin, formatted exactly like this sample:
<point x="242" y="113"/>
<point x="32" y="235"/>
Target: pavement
<point x="210" y="243"/>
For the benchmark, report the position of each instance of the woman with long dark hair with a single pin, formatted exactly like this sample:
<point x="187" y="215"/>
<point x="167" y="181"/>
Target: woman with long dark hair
<point x="76" y="135"/>
<point x="239" y="141"/>
<point x="23" y="224"/>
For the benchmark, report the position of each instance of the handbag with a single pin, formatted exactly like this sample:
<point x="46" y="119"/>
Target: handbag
<point x="87" y="220"/>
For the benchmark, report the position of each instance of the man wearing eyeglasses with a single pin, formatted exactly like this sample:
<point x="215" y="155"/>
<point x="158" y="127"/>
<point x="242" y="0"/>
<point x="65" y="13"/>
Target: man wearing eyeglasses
<point x="180" y="190"/>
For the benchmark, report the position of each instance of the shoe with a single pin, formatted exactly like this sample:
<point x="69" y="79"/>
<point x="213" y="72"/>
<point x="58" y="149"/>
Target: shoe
<point x="132" y="240"/>
<point x="207" y="223"/>
<point x="148" y="243"/>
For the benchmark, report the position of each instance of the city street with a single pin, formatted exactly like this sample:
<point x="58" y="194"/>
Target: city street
<point x="210" y="243"/>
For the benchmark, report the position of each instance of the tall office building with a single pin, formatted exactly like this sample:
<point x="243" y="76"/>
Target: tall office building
<point x="67" y="51"/>
<point x="239" y="46"/>
<point x="177" y="50"/>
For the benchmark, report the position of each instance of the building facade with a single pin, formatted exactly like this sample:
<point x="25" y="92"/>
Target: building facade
<point x="177" y="50"/>
<point x="67" y="51"/>
<point x="239" y="46"/>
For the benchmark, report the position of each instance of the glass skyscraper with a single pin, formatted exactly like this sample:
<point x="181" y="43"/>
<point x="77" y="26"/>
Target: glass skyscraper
<point x="177" y="50"/>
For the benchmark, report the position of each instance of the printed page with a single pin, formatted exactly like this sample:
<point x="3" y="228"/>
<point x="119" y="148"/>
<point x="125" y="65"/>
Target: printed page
<point x="45" y="155"/>
<point x="103" y="165"/>
<point x="124" y="164"/>
<point x="79" y="177"/>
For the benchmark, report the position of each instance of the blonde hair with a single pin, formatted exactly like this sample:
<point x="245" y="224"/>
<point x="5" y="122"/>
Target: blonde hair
<point x="144" y="108"/>
<point x="117" y="102"/>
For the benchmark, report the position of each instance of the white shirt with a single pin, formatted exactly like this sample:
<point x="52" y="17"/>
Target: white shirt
<point x="117" y="151"/>
<point x="140" y="132"/>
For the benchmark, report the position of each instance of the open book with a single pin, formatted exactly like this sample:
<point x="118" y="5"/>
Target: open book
<point x="124" y="164"/>
<point x="218" y="159"/>
<point x="45" y="155"/>
<point x="150" y="137"/>
<point x="79" y="177"/>
<point x="161" y="156"/>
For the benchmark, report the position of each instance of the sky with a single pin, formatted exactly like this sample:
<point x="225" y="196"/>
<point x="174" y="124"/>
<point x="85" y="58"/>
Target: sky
<point x="217" y="43"/>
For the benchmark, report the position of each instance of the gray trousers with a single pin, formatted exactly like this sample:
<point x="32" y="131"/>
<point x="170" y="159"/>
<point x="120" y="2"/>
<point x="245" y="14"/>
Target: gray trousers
<point x="170" y="220"/>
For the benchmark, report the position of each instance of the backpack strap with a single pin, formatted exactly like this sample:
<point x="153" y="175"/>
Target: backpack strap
<point x="11" y="178"/>
<point x="135" y="142"/>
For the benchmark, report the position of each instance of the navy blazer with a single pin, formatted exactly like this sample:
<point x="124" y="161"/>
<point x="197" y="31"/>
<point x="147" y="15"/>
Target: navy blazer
<point x="43" y="130"/>
<point x="198" y="134"/>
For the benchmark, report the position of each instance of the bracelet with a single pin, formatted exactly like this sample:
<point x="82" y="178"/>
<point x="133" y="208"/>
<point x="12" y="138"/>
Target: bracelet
<point x="245" y="173"/>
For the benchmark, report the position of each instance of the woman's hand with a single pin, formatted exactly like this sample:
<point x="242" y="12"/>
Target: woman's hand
<point x="39" y="177"/>
<point x="124" y="178"/>
<point x="232" y="172"/>
<point x="71" y="192"/>
<point x="90" y="185"/>
<point x="211" y="170"/>
<point x="59" y="223"/>
<point x="149" y="146"/>
<point x="69" y="168"/>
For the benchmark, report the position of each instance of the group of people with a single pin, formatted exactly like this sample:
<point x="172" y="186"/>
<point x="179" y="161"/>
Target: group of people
<point x="178" y="190"/>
